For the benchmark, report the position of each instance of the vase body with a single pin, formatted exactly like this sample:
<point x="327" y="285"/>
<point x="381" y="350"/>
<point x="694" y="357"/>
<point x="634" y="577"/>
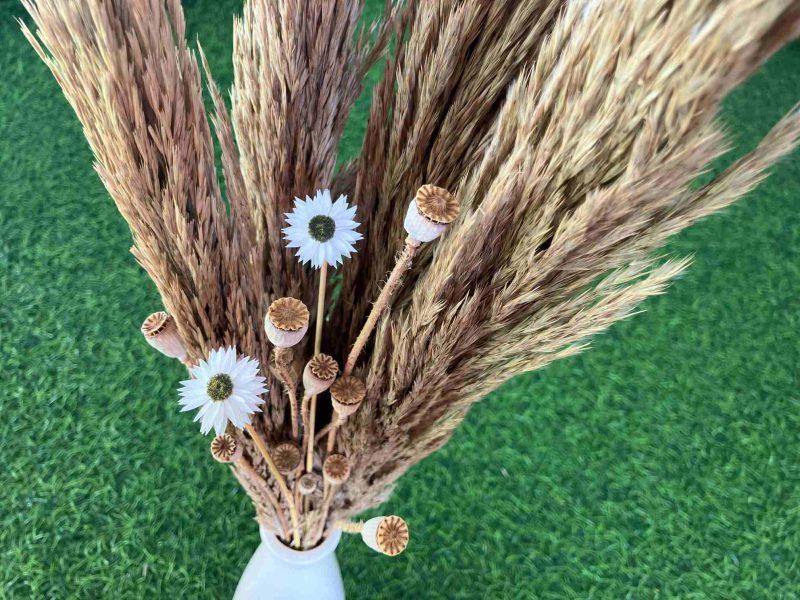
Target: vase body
<point x="276" y="572"/>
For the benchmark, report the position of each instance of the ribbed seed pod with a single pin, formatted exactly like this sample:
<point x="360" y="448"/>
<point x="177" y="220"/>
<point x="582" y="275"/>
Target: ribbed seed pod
<point x="319" y="373"/>
<point x="388" y="535"/>
<point x="286" y="322"/>
<point x="429" y="213"/>
<point x="225" y="448"/>
<point x="308" y="483"/>
<point x="286" y="457"/>
<point x="336" y="469"/>
<point x="161" y="332"/>
<point x="347" y="393"/>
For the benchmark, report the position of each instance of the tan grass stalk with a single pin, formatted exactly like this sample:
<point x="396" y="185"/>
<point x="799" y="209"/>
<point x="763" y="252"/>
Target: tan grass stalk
<point x="276" y="475"/>
<point x="402" y="265"/>
<point x="283" y="359"/>
<point x="257" y="481"/>
<point x="349" y="526"/>
<point x="323" y="284"/>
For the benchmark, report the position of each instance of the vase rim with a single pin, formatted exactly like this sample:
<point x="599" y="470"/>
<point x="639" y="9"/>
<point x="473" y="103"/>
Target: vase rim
<point x="284" y="552"/>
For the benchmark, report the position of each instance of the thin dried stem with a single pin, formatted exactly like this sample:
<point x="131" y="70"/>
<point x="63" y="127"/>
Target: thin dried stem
<point x="355" y="527"/>
<point x="328" y="494"/>
<point x="283" y="360"/>
<point x="323" y="432"/>
<point x="273" y="470"/>
<point x="323" y="284"/>
<point x="402" y="265"/>
<point x="256" y="480"/>
<point x="338" y="421"/>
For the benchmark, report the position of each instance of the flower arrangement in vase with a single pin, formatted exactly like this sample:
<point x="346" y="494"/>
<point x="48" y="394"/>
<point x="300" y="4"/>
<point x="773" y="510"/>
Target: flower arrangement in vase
<point x="522" y="165"/>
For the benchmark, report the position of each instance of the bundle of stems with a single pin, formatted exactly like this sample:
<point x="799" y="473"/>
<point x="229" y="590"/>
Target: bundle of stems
<point x="523" y="163"/>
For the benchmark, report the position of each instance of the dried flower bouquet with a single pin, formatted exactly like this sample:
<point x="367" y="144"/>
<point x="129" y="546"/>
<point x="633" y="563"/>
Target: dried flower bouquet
<point x="522" y="165"/>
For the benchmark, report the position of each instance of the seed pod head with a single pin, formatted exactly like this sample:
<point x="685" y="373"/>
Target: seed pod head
<point x="429" y="213"/>
<point x="161" y="332"/>
<point x="286" y="457"/>
<point x="319" y="374"/>
<point x="286" y="322"/>
<point x="308" y="483"/>
<point x="347" y="393"/>
<point x="388" y="535"/>
<point x="336" y="469"/>
<point x="225" y="448"/>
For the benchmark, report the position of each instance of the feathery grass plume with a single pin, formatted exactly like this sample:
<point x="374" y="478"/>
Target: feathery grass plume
<point x="431" y="114"/>
<point x="584" y="174"/>
<point x="135" y="86"/>
<point x="298" y="69"/>
<point x="569" y="130"/>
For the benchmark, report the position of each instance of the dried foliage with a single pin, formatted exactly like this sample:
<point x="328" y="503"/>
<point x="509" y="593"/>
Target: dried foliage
<point x="570" y="132"/>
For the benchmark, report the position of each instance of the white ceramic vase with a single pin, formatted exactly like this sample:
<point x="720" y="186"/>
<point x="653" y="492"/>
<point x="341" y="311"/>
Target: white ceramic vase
<point x="276" y="572"/>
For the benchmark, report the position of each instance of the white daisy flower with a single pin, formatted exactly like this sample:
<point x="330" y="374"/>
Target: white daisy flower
<point x="322" y="230"/>
<point x="224" y="388"/>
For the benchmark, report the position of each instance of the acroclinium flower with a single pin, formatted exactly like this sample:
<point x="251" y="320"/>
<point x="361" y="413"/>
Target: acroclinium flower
<point x="323" y="231"/>
<point x="225" y="389"/>
<point x="429" y="213"/>
<point x="161" y="332"/>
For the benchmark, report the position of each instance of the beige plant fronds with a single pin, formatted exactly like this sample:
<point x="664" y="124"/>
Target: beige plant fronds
<point x="569" y="131"/>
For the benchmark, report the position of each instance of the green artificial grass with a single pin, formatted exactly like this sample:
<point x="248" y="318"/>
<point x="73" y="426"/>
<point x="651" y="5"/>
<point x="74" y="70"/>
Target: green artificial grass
<point x="662" y="463"/>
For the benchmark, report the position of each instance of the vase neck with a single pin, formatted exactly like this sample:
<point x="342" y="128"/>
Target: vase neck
<point x="300" y="557"/>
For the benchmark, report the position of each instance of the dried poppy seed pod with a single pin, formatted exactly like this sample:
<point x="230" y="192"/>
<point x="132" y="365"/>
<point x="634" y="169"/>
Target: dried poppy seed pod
<point x="429" y="213"/>
<point x="336" y="469"/>
<point x="225" y="448"/>
<point x="308" y="483"/>
<point x="286" y="322"/>
<point x="286" y="457"/>
<point x="347" y="393"/>
<point x="319" y="374"/>
<point x="161" y="332"/>
<point x="388" y="535"/>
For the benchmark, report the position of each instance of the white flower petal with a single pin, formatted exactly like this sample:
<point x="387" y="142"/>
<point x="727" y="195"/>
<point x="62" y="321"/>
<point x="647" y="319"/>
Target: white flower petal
<point x="310" y="250"/>
<point x="206" y="423"/>
<point x="220" y="421"/>
<point x="193" y="402"/>
<point x="248" y="386"/>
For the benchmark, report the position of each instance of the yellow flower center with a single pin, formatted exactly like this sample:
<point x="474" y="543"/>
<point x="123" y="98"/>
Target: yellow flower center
<point x="220" y="387"/>
<point x="321" y="228"/>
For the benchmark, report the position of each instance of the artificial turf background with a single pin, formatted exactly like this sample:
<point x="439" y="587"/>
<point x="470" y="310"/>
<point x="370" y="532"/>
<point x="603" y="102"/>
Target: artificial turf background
<point x="664" y="462"/>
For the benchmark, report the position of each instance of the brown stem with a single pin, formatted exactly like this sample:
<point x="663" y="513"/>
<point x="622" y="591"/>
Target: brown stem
<point x="310" y="442"/>
<point x="323" y="284"/>
<point x="335" y="423"/>
<point x="349" y="526"/>
<point x="323" y="432"/>
<point x="283" y="357"/>
<point x="304" y="412"/>
<point x="255" y="479"/>
<point x="330" y="491"/>
<point x="402" y="265"/>
<point x="262" y="447"/>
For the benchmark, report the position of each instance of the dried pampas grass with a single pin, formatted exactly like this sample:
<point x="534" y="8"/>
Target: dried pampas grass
<point x="556" y="140"/>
